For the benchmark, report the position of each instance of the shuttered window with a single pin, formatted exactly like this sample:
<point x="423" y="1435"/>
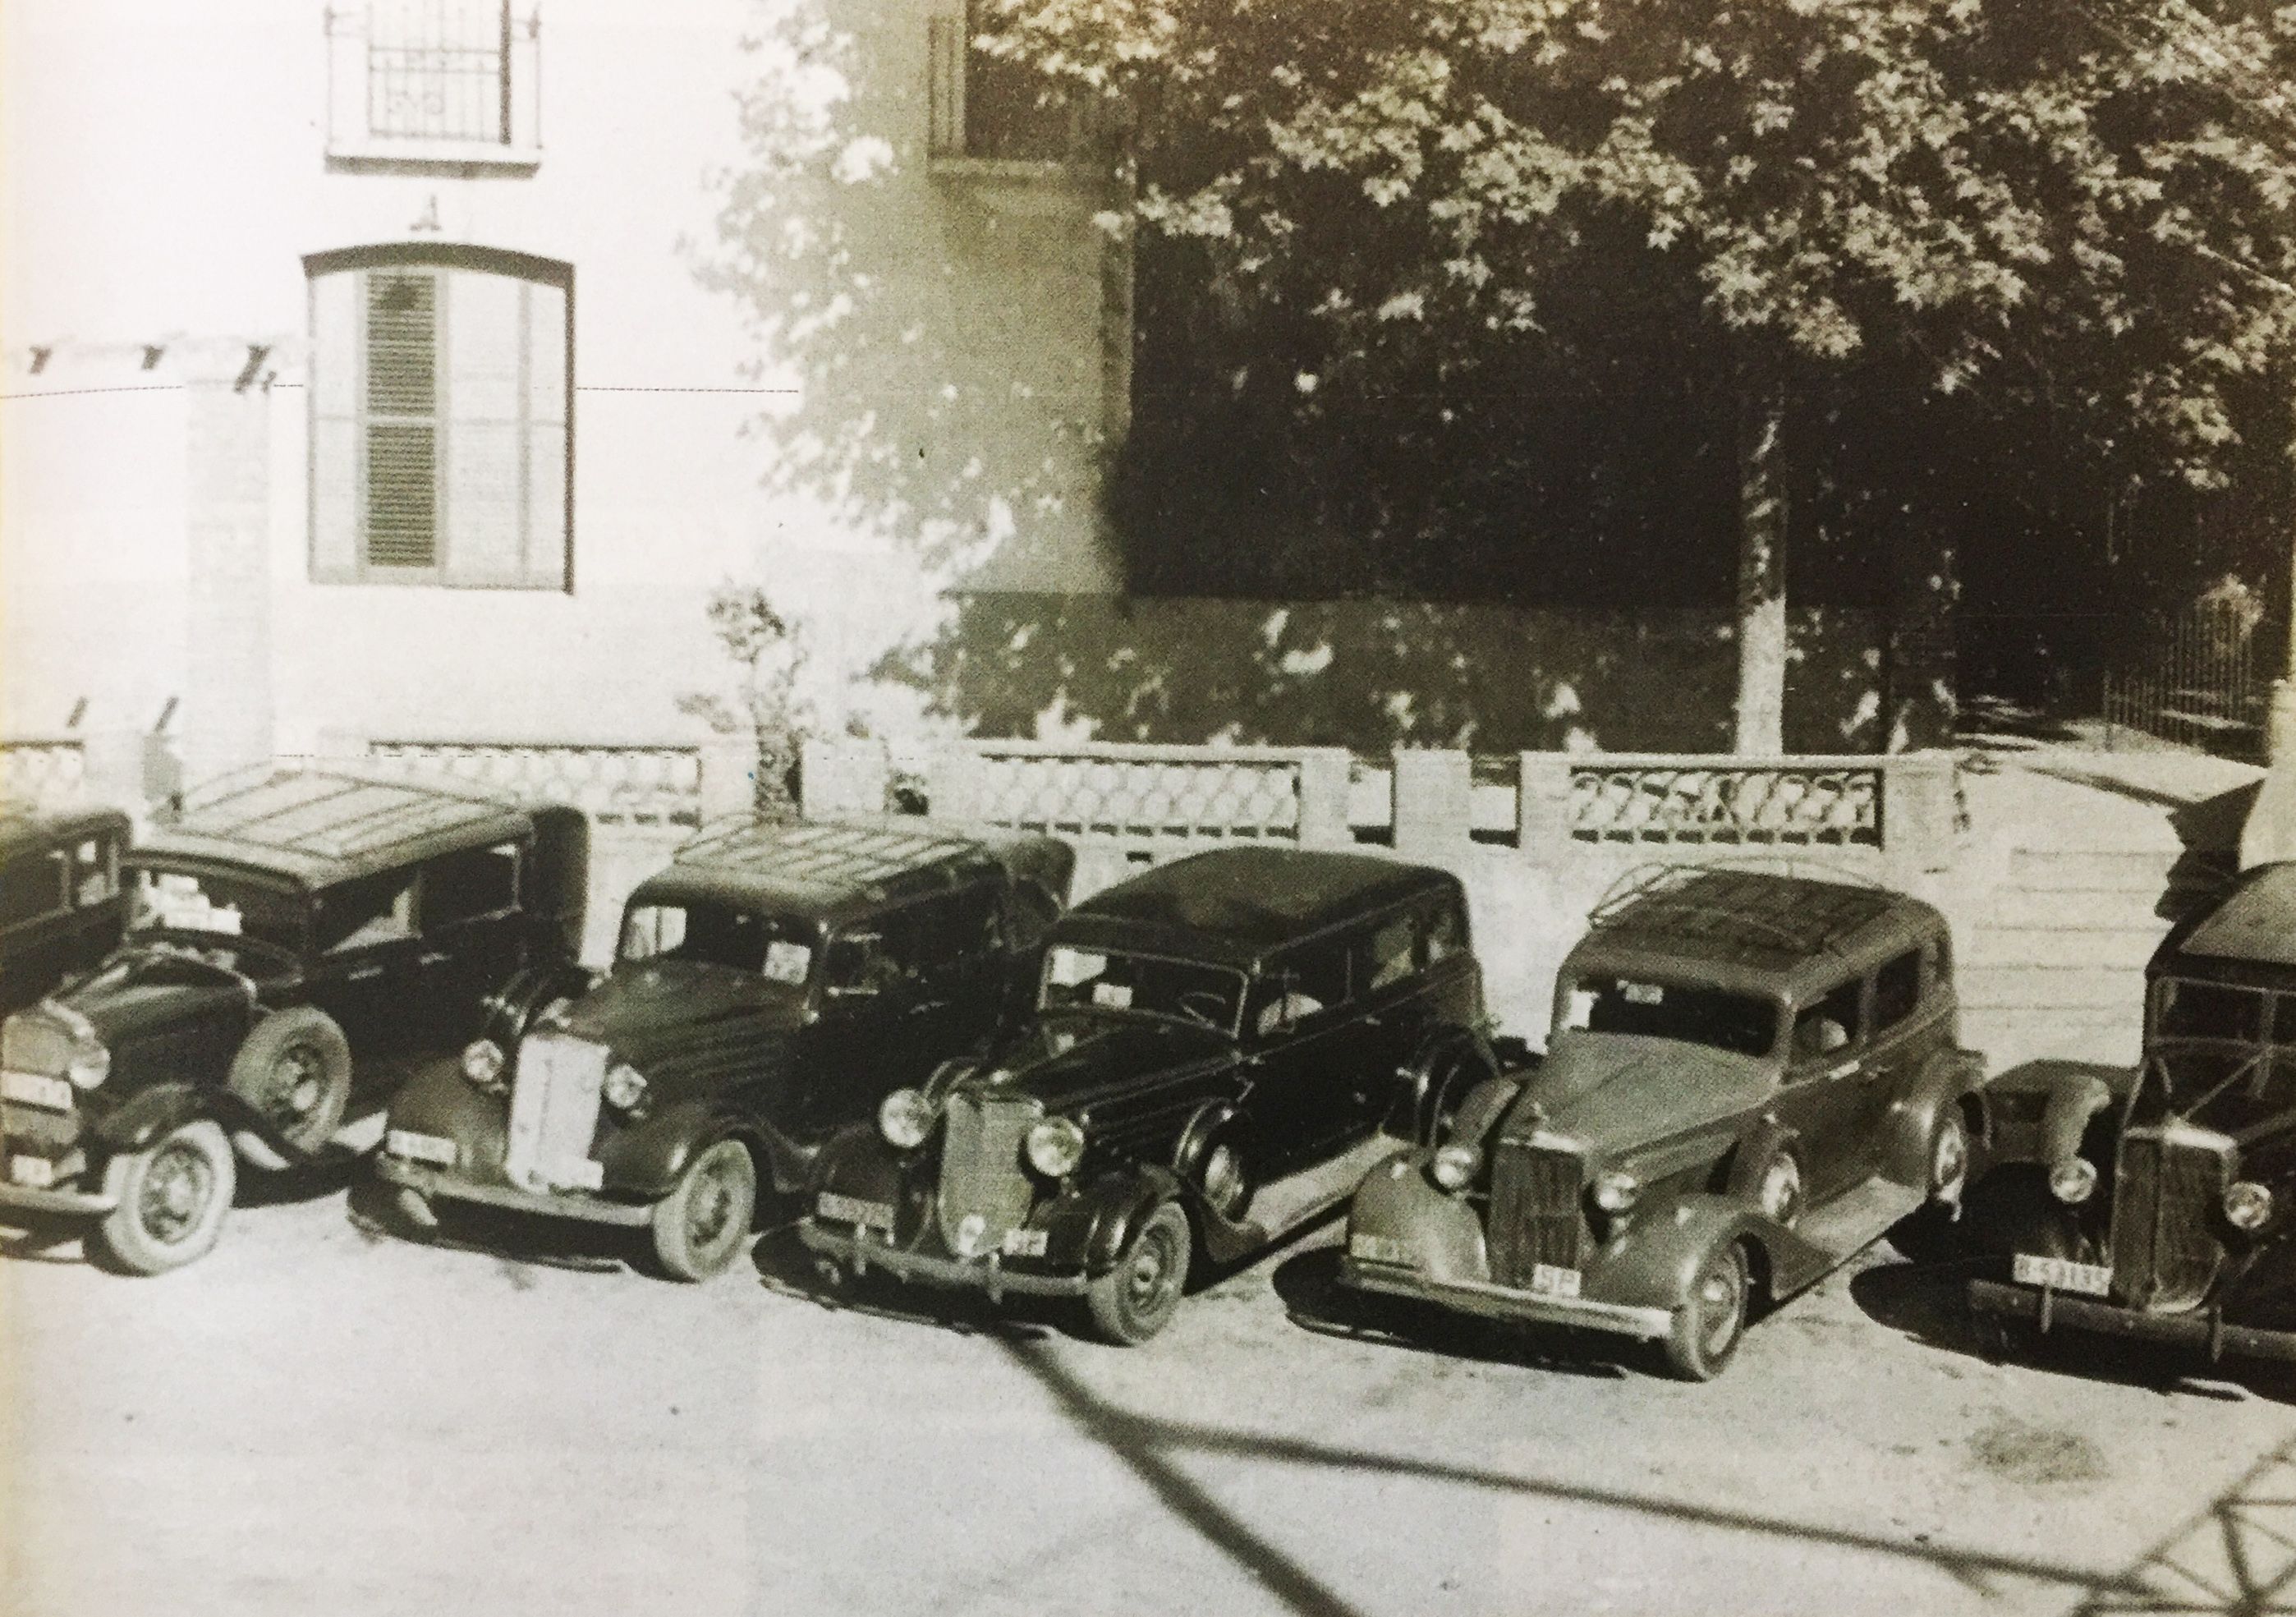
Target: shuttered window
<point x="439" y="431"/>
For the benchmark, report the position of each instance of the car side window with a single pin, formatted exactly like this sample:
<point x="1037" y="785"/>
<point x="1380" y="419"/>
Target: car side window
<point x="464" y="886"/>
<point x="360" y="914"/>
<point x="1829" y="1024"/>
<point x="858" y="962"/>
<point x="32" y="888"/>
<point x="1447" y="931"/>
<point x="1302" y="987"/>
<point x="1897" y="989"/>
<point x="1385" y="957"/>
<point x="95" y="872"/>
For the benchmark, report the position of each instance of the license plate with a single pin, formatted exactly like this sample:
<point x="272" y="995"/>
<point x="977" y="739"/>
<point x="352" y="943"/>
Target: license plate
<point x="2094" y="1279"/>
<point x="37" y="1172"/>
<point x="421" y="1148"/>
<point x="1549" y="1281"/>
<point x="852" y="1210"/>
<point x="37" y="1089"/>
<point x="1379" y="1249"/>
<point x="1024" y="1243"/>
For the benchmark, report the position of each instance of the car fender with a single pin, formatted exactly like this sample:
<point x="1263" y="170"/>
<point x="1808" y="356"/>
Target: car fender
<point x="511" y="1009"/>
<point x="1117" y="1204"/>
<point x="1655" y="1261"/>
<point x="1943" y="1079"/>
<point x="645" y="1158"/>
<point x="1197" y="1137"/>
<point x="1435" y="1066"/>
<point x="1486" y="1104"/>
<point x="1440" y="1232"/>
<point x="144" y="1117"/>
<point x="2075" y="1100"/>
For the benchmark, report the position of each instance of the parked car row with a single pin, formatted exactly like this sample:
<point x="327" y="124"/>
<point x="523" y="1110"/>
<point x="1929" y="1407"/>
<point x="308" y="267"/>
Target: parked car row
<point x="901" y="1036"/>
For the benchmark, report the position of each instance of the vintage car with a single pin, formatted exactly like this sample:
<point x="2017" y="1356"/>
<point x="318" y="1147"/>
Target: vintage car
<point x="61" y="909"/>
<point x="296" y="933"/>
<point x="2160" y="1206"/>
<point x="1218" y="1047"/>
<point x="772" y="985"/>
<point x="1751" y="1077"/>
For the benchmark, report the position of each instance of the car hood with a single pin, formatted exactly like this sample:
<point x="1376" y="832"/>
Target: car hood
<point x="1617" y="1092"/>
<point x="1070" y="1061"/>
<point x="684" y="1023"/>
<point x="141" y="991"/>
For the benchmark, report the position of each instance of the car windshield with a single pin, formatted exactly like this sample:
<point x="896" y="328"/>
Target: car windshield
<point x="1142" y="985"/>
<point x="1745" y="1024"/>
<point x="2216" y="1011"/>
<point x="2220" y="1056"/>
<point x="220" y="907"/>
<point x="779" y="948"/>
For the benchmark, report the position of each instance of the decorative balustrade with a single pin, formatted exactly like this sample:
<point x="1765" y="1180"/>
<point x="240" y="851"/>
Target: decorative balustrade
<point x="44" y="771"/>
<point x="640" y="784"/>
<point x="1674" y="801"/>
<point x="1184" y="794"/>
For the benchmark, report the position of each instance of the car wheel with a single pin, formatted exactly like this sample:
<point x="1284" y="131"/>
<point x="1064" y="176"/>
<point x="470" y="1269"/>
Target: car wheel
<point x="1139" y="1297"/>
<point x="701" y="1225"/>
<point x="294" y="1069"/>
<point x="1708" y="1327"/>
<point x="1933" y="1233"/>
<point x="1779" y="1189"/>
<point x="174" y="1196"/>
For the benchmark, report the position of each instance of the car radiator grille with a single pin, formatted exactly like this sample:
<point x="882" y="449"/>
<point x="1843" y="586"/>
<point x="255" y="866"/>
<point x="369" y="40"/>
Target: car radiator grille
<point x="553" y="1113"/>
<point x="1536" y="1214"/>
<point x="2168" y="1187"/>
<point x="31" y="1043"/>
<point x="984" y="1191"/>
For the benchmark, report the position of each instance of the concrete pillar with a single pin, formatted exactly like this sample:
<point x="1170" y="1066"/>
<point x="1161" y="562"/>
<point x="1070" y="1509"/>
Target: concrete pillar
<point x="729" y="783"/>
<point x="1434" y="802"/>
<point x="1324" y="776"/>
<point x="227" y="718"/>
<point x="1543" y="801"/>
<point x="1919" y="815"/>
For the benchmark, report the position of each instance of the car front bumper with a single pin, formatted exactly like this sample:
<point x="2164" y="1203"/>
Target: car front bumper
<point x="2205" y="1330"/>
<point x="443" y="1185"/>
<point x="981" y="1275"/>
<point x="1505" y="1302"/>
<point x="57" y="1200"/>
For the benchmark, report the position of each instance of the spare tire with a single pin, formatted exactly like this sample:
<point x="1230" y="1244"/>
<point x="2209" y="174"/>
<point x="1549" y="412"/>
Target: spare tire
<point x="294" y="1069"/>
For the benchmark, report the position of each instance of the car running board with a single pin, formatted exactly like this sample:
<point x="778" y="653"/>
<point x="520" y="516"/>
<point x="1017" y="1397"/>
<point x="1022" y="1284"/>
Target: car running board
<point x="1281" y="1207"/>
<point x="1829" y="1236"/>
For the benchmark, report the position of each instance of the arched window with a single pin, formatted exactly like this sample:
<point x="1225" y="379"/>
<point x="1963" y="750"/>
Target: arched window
<point x="441" y="431"/>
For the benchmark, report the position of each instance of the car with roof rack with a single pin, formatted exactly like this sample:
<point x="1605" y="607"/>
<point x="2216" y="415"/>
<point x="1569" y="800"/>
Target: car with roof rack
<point x="1223" y="1047"/>
<point x="2158" y="1205"/>
<point x="772" y="984"/>
<point x="292" y="935"/>
<point x="1751" y="1077"/>
<point x="62" y="907"/>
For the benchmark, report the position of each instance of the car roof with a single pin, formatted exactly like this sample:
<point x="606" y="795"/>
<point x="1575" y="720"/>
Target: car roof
<point x="23" y="828"/>
<point x="1754" y="931"/>
<point x="319" y="826"/>
<point x="1234" y="905"/>
<point x="2254" y="924"/>
<point x="831" y="870"/>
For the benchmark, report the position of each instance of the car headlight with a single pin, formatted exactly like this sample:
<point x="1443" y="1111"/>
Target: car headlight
<point x="2073" y="1181"/>
<point x="1617" y="1192"/>
<point x="2247" y="1204"/>
<point x="1055" y="1147"/>
<point x="905" y="1118"/>
<point x="625" y="1087"/>
<point x="483" y="1061"/>
<point x="1455" y="1167"/>
<point x="88" y="1065"/>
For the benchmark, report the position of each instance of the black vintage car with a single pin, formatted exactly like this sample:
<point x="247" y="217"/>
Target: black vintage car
<point x="295" y="933"/>
<point x="1219" y="1045"/>
<point x="2161" y="1205"/>
<point x="61" y="909"/>
<point x="773" y="984"/>
<point x="1751" y="1077"/>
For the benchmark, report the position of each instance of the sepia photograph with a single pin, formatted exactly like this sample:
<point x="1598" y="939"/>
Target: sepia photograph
<point x="1144" y="807"/>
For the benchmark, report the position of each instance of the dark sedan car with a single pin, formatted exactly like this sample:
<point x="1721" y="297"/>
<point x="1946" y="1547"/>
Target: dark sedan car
<point x="296" y="926"/>
<point x="1220" y="1043"/>
<point x="2161" y="1205"/>
<point x="1752" y="1077"/>
<point x="772" y="985"/>
<point x="62" y="907"/>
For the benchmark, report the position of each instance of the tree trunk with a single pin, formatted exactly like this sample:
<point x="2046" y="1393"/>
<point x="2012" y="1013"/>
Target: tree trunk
<point x="1761" y="570"/>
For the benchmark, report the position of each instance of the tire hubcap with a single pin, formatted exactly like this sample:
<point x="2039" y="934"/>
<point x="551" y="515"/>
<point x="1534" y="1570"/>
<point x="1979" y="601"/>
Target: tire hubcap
<point x="711" y="1211"/>
<point x="1719" y="1297"/>
<point x="176" y="1187"/>
<point x="295" y="1086"/>
<point x="1149" y="1278"/>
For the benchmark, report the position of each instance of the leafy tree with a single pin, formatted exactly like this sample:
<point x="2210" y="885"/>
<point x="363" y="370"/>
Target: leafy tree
<point x="767" y="652"/>
<point x="2082" y="206"/>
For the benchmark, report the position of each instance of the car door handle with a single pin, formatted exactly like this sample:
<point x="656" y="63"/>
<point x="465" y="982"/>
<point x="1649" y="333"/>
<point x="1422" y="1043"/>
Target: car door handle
<point x="434" y="957"/>
<point x="1848" y="1069"/>
<point x="360" y="973"/>
<point x="923" y="1006"/>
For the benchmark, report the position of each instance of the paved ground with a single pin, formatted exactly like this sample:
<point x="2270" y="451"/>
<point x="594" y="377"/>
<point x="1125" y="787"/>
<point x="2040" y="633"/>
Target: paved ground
<point x="315" y="1420"/>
